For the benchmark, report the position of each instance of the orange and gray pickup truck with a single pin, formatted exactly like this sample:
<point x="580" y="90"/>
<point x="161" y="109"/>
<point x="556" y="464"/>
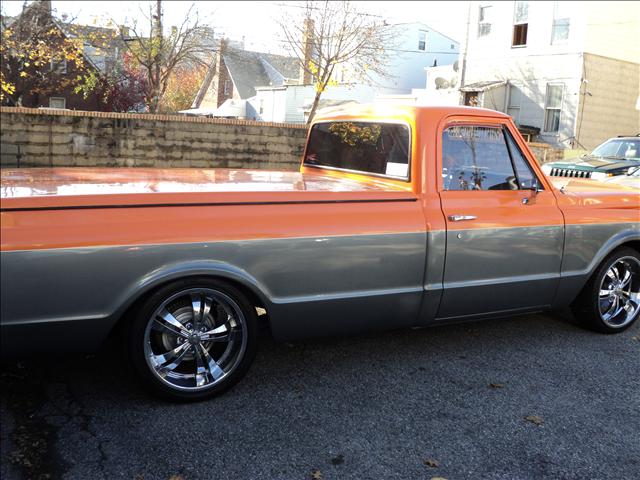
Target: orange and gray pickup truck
<point x="398" y="217"/>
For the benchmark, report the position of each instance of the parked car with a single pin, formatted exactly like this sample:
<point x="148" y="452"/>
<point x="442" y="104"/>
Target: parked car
<point x="399" y="217"/>
<point x="630" y="179"/>
<point x="616" y="157"/>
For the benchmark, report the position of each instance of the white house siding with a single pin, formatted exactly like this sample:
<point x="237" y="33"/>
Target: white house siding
<point x="530" y="68"/>
<point x="405" y="70"/>
<point x="285" y="104"/>
<point x="272" y="103"/>
<point x="604" y="27"/>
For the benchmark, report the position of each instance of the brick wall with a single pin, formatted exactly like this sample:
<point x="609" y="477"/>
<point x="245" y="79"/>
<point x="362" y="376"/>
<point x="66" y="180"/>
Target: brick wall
<point x="32" y="137"/>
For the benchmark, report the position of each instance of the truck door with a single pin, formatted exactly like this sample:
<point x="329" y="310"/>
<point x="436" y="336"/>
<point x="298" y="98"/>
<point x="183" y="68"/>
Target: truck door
<point x="505" y="232"/>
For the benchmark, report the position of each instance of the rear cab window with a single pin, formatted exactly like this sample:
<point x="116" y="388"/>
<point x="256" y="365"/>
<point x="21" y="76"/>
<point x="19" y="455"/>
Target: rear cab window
<point x="371" y="148"/>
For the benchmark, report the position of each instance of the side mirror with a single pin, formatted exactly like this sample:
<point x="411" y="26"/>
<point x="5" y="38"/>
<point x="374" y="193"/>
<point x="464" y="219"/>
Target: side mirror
<point x="535" y="187"/>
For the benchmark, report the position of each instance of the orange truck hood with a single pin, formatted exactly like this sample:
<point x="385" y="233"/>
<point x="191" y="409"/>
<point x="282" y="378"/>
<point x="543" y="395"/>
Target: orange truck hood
<point x="597" y="194"/>
<point x="85" y="187"/>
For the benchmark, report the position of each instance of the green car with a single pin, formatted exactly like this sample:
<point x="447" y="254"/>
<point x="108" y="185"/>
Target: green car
<point x="616" y="156"/>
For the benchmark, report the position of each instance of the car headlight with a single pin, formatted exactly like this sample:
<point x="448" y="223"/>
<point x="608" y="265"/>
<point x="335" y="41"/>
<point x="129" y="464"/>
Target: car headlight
<point x="601" y="175"/>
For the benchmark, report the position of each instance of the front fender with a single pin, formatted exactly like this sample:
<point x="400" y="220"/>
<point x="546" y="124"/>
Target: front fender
<point x="586" y="246"/>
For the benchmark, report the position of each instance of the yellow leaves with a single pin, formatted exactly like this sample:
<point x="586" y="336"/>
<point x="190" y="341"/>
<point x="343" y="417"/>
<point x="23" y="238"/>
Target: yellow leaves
<point x="7" y="88"/>
<point x="23" y="74"/>
<point x="353" y="134"/>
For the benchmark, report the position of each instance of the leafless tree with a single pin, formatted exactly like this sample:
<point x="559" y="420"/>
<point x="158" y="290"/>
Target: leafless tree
<point x="159" y="54"/>
<point x="329" y="34"/>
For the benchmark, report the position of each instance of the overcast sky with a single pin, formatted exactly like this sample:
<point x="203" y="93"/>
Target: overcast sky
<point x="256" y="21"/>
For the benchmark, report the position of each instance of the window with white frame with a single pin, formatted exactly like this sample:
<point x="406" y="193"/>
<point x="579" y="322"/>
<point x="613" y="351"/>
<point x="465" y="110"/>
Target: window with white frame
<point x="484" y="21"/>
<point x="422" y="40"/>
<point x="57" y="102"/>
<point x="58" y="66"/>
<point x="520" y="24"/>
<point x="561" y="22"/>
<point x="553" y="107"/>
<point x="514" y="103"/>
<point x="261" y="111"/>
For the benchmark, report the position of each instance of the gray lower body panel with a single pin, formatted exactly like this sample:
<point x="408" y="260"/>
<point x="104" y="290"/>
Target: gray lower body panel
<point x="310" y="286"/>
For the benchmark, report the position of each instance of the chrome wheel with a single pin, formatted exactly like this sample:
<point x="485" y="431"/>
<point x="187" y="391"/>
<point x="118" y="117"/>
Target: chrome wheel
<point x="195" y="338"/>
<point x="619" y="295"/>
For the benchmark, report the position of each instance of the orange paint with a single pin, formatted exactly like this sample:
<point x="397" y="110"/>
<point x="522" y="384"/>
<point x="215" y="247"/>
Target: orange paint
<point x="287" y="204"/>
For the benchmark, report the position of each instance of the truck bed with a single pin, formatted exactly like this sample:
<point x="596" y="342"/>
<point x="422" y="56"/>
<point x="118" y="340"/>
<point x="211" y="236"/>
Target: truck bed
<point x="51" y="188"/>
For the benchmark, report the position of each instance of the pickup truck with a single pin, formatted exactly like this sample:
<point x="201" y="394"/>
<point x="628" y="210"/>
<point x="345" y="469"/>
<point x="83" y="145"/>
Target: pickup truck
<point x="399" y="217"/>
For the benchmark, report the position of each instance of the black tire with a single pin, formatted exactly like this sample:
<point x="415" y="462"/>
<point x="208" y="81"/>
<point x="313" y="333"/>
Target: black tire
<point x="148" y="337"/>
<point x="587" y="307"/>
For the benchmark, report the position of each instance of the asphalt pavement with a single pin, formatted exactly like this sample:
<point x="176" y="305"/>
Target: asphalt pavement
<point x="531" y="397"/>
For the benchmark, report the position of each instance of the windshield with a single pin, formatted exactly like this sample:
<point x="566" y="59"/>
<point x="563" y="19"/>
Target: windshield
<point x="629" y="149"/>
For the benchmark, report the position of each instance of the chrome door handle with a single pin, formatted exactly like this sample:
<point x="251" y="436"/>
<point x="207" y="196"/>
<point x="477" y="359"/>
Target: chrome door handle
<point x="461" y="218"/>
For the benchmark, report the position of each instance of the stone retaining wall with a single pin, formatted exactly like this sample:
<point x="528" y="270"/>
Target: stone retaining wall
<point x="44" y="138"/>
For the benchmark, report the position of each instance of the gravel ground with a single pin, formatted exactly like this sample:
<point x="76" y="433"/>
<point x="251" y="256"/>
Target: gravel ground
<point x="523" y="398"/>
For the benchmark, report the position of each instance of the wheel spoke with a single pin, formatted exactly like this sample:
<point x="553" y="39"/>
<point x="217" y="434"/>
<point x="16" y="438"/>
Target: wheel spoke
<point x="616" y="313"/>
<point x="196" y="307"/>
<point x="218" y="334"/>
<point x="605" y="293"/>
<point x="201" y="371"/>
<point x="611" y="308"/>
<point x="168" y="323"/>
<point x="616" y="272"/>
<point x="213" y="368"/>
<point x="171" y="359"/>
<point x="626" y="279"/>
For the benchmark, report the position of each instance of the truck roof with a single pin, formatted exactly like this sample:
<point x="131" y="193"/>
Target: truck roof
<point x="377" y="110"/>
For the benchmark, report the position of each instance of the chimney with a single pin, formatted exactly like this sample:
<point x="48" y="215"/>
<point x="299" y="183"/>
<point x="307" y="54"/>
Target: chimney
<point x="44" y="6"/>
<point x="307" y="50"/>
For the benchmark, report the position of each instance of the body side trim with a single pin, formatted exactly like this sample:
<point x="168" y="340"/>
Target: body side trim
<point x="213" y="204"/>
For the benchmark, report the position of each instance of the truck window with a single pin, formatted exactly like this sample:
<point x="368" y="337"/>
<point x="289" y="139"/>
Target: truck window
<point x="526" y="177"/>
<point x="476" y="158"/>
<point x="368" y="147"/>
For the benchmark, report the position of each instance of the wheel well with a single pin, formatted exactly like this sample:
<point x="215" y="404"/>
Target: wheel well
<point x="139" y="301"/>
<point x="635" y="244"/>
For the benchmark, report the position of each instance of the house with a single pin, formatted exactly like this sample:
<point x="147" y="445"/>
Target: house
<point x="275" y="90"/>
<point x="568" y="71"/>
<point x="234" y="76"/>
<point x="415" y="47"/>
<point x="53" y="85"/>
<point x="291" y="103"/>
